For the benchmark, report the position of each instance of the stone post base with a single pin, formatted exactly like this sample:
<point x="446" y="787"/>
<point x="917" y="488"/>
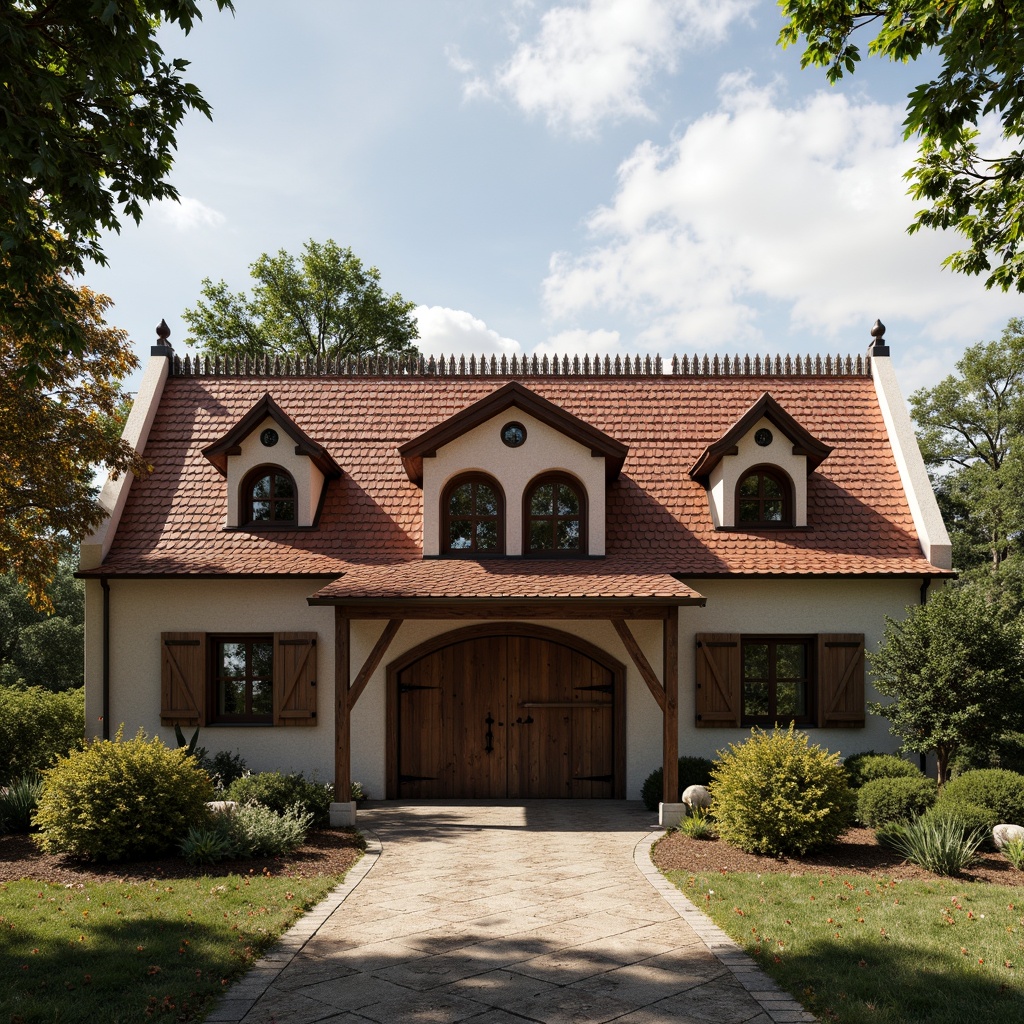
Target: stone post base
<point x="343" y="815"/>
<point x="669" y="815"/>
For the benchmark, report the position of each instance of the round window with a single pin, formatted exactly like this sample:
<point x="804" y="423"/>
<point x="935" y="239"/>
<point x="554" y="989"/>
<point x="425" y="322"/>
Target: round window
<point x="513" y="434"/>
<point x="268" y="438"/>
<point x="763" y="437"/>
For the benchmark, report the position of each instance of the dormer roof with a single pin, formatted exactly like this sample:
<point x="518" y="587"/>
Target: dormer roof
<point x="512" y="395"/>
<point x="229" y="444"/>
<point x="766" y="407"/>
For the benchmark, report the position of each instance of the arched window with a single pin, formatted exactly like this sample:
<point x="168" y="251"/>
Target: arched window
<point x="268" y="498"/>
<point x="555" y="517"/>
<point x="764" y="498"/>
<point x="473" y="516"/>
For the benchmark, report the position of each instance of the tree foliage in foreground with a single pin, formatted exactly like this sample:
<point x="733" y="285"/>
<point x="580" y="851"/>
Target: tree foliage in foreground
<point x="55" y="436"/>
<point x="953" y="671"/>
<point x="324" y="303"/>
<point x="971" y="430"/>
<point x="971" y="185"/>
<point x="89" y="111"/>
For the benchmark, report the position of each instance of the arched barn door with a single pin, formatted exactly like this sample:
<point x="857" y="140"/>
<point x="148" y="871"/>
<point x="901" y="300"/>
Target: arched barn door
<point x="506" y="711"/>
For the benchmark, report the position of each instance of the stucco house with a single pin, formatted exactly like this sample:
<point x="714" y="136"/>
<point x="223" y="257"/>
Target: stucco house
<point x="505" y="579"/>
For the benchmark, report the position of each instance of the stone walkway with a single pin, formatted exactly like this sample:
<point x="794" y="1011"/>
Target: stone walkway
<point x="506" y="913"/>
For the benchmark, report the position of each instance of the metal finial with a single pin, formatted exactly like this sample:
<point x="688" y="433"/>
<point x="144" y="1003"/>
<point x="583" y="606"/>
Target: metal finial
<point x="878" y="346"/>
<point x="878" y="329"/>
<point x="163" y="345"/>
<point x="163" y="332"/>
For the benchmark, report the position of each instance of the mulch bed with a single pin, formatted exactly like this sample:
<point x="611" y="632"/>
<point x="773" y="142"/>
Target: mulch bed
<point x="857" y="852"/>
<point x="325" y="852"/>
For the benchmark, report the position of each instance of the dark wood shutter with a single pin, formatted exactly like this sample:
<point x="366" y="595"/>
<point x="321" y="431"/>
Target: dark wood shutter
<point x="841" y="680"/>
<point x="183" y="679"/>
<point x="719" y="693"/>
<point x="295" y="679"/>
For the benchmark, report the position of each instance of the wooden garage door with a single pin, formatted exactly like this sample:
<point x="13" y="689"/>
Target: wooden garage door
<point x="489" y="713"/>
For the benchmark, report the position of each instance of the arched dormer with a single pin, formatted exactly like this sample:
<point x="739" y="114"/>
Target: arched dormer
<point x="757" y="470"/>
<point x="266" y="451"/>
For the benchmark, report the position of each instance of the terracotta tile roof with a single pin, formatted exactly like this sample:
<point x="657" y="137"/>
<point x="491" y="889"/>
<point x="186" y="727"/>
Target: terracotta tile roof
<point x="658" y="522"/>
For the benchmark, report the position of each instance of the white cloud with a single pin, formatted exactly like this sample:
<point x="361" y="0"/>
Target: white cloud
<point x="188" y="214"/>
<point x="591" y="62"/>
<point x="578" y="342"/>
<point x="455" y="332"/>
<point x="805" y="207"/>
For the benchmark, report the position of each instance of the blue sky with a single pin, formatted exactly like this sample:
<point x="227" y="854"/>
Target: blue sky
<point x="571" y="176"/>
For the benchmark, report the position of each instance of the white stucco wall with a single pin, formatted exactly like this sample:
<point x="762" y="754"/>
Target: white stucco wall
<point x="730" y="470"/>
<point x="141" y="610"/>
<point x="481" y="450"/>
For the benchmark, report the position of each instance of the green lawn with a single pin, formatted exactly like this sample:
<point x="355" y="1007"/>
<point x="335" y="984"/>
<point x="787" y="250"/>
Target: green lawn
<point x="117" y="952"/>
<point x="860" y="950"/>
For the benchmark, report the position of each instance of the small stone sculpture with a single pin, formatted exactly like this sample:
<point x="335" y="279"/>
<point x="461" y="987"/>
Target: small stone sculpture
<point x="1003" y="834"/>
<point x="696" y="796"/>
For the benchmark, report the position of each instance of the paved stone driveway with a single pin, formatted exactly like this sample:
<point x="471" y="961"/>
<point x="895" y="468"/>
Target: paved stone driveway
<point x="526" y="911"/>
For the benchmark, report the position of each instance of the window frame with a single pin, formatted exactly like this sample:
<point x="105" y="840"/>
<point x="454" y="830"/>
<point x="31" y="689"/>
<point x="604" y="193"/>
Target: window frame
<point x="810" y="680"/>
<point x="556" y="477"/>
<point x="474" y="477"/>
<point x="213" y="678"/>
<point x="246" y="499"/>
<point x="780" y="476"/>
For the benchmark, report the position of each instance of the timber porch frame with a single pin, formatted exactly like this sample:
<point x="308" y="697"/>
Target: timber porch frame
<point x="665" y="691"/>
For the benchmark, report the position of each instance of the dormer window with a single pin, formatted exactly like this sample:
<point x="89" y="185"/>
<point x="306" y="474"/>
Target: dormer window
<point x="764" y="498"/>
<point x="474" y="517"/>
<point x="555" y="517"/>
<point x="269" y="497"/>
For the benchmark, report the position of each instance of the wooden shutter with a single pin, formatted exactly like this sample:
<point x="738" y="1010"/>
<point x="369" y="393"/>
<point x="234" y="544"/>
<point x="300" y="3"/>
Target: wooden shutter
<point x="719" y="694"/>
<point x="841" y="680"/>
<point x="295" y="679"/>
<point x="183" y="679"/>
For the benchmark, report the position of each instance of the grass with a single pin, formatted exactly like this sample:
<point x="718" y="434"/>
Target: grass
<point x="118" y="952"/>
<point x="855" y="949"/>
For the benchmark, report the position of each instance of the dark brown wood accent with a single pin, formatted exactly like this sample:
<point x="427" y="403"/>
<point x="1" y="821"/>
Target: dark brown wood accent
<point x="501" y="608"/>
<point x="295" y="674"/>
<point x="506" y="710"/>
<point x="183" y="679"/>
<point x="841" y="680"/>
<point x="649" y="676"/>
<point x="583" y="551"/>
<point x="670" y="669"/>
<point x="373" y="659"/>
<point x="512" y="394"/>
<point x="342" y="722"/>
<point x="719" y="690"/>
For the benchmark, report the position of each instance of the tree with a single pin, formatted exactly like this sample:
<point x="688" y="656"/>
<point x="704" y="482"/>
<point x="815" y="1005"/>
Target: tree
<point x="979" y="193"/>
<point x="325" y="304"/>
<point x="87" y="122"/>
<point x="971" y="432"/>
<point x="55" y="437"/>
<point x="955" y="672"/>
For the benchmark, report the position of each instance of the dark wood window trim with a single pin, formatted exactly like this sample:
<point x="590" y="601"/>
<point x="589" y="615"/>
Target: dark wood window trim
<point x="764" y="472"/>
<point x="554" y="519"/>
<point x="278" y="503"/>
<point x="808" y="679"/>
<point x="216" y="716"/>
<point x="473" y="517"/>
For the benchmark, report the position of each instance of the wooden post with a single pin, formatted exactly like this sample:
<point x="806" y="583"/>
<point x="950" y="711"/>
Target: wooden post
<point x="342" y="729"/>
<point x="670" y="670"/>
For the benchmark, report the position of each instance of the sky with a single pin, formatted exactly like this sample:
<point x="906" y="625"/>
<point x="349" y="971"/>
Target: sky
<point x="558" y="176"/>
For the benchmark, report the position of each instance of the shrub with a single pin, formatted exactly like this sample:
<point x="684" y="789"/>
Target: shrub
<point x="120" y="799"/>
<point x="945" y="845"/>
<point x="697" y="824"/>
<point x="997" y="789"/>
<point x="776" y="794"/>
<point x="36" y="727"/>
<point x="17" y="802"/>
<point x="250" y="831"/>
<point x="886" y="800"/>
<point x="1013" y="851"/>
<point x="280" y="792"/>
<point x="972" y="817"/>
<point x="224" y="768"/>
<point x="869" y="766"/>
<point x="693" y="771"/>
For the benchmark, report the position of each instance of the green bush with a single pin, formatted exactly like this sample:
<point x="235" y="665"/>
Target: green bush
<point x="120" y="799"/>
<point x="250" y="831"/>
<point x="17" y="802"/>
<point x="693" y="771"/>
<point x="776" y="794"/>
<point x="36" y="727"/>
<point x="869" y="766"/>
<point x="698" y="824"/>
<point x="972" y="817"/>
<point x="1013" y="851"/>
<point x="887" y="800"/>
<point x="945" y="845"/>
<point x="224" y="768"/>
<point x="997" y="789"/>
<point x="280" y="792"/>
